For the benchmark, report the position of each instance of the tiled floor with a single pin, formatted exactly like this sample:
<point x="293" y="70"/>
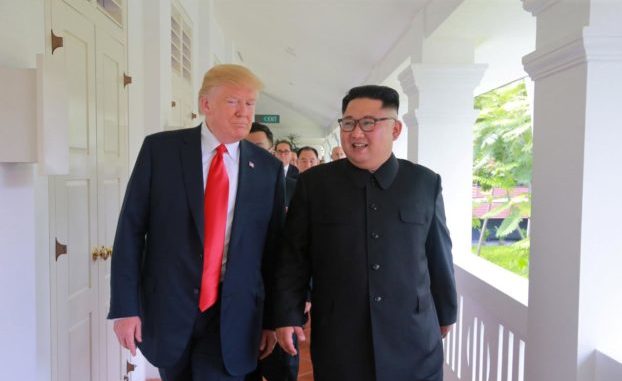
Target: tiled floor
<point x="306" y="371"/>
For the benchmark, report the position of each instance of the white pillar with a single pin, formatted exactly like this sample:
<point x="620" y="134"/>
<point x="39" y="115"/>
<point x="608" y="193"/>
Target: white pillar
<point x="409" y="87"/>
<point x="576" y="249"/>
<point x="440" y="119"/>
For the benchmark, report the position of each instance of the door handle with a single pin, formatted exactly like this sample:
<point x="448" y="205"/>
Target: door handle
<point x="57" y="41"/>
<point x="106" y="253"/>
<point x="60" y="249"/>
<point x="98" y="252"/>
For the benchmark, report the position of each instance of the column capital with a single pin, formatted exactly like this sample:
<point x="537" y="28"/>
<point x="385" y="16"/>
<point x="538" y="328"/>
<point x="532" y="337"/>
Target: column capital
<point x="535" y="7"/>
<point x="453" y="75"/>
<point x="588" y="45"/>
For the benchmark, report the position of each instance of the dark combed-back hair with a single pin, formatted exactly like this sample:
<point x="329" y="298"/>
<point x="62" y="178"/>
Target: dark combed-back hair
<point x="289" y="144"/>
<point x="307" y="148"/>
<point x="389" y="97"/>
<point x="258" y="127"/>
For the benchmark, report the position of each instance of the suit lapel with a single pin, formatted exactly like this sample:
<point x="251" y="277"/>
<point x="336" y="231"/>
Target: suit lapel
<point x="192" y="166"/>
<point x="247" y="166"/>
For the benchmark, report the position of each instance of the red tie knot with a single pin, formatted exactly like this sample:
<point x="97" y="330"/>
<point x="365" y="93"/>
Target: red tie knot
<point x="221" y="149"/>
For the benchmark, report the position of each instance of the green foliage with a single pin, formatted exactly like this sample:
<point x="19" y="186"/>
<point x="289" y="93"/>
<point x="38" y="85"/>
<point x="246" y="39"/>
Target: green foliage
<point x="502" y="158"/>
<point x="503" y="138"/>
<point x="514" y="258"/>
<point x="503" y="143"/>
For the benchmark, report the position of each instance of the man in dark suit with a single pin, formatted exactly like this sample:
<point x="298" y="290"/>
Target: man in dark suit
<point x="262" y="136"/>
<point x="283" y="151"/>
<point x="196" y="238"/>
<point x="278" y="366"/>
<point x="370" y="230"/>
<point x="307" y="158"/>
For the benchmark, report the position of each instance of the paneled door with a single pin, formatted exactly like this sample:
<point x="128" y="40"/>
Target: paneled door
<point x="86" y="202"/>
<point x="75" y="283"/>
<point x="112" y="170"/>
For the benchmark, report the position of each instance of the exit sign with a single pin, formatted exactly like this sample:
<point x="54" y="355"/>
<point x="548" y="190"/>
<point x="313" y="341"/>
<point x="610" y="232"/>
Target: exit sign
<point x="267" y="118"/>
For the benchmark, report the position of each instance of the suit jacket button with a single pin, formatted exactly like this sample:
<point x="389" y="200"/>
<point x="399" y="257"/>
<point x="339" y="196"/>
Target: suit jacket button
<point x="375" y="235"/>
<point x="375" y="266"/>
<point x="378" y="299"/>
<point x="373" y="206"/>
<point x="196" y="291"/>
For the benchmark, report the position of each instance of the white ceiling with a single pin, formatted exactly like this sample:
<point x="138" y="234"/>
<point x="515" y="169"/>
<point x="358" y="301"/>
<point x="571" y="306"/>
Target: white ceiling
<point x="310" y="52"/>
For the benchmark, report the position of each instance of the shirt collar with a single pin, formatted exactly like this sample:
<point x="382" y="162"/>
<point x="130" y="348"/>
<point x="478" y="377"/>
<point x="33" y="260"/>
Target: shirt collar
<point x="209" y="142"/>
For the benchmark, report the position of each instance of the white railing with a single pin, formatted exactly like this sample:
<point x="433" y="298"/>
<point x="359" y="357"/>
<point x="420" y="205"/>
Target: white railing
<point x="488" y="341"/>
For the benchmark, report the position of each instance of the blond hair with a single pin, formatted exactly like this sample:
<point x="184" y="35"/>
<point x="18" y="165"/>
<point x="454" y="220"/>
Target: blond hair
<point x="228" y="74"/>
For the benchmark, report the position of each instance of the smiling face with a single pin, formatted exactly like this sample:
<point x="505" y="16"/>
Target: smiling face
<point x="369" y="150"/>
<point x="306" y="160"/>
<point x="229" y="111"/>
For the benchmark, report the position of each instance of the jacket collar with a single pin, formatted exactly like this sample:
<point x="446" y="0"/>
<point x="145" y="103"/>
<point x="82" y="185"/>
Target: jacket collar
<point x="385" y="175"/>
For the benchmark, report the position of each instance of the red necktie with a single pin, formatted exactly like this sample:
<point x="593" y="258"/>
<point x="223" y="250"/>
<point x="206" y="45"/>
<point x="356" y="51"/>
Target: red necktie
<point x="215" y="221"/>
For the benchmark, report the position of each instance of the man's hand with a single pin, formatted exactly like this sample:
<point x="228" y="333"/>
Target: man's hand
<point x="284" y="336"/>
<point x="444" y="330"/>
<point x="127" y="330"/>
<point x="267" y="343"/>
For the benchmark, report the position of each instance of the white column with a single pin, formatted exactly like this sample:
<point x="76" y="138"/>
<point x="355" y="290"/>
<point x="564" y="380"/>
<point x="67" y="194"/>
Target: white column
<point x="409" y="87"/>
<point x="576" y="249"/>
<point x="440" y="119"/>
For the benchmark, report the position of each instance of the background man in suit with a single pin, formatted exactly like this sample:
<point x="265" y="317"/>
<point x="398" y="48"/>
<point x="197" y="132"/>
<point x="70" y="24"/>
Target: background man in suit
<point x="283" y="151"/>
<point x="337" y="153"/>
<point x="307" y="158"/>
<point x="261" y="136"/>
<point x="279" y="365"/>
<point x="194" y="246"/>
<point x="370" y="231"/>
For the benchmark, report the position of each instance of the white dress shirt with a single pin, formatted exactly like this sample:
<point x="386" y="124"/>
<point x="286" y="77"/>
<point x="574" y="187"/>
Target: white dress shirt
<point x="285" y="168"/>
<point x="231" y="159"/>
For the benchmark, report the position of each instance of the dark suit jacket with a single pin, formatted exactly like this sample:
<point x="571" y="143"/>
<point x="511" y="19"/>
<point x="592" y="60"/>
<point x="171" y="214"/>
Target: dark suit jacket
<point x="158" y="248"/>
<point x="292" y="172"/>
<point x="290" y="187"/>
<point x="379" y="253"/>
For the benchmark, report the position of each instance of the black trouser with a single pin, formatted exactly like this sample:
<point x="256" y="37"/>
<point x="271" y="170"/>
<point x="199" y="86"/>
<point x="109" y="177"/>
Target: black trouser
<point x="202" y="359"/>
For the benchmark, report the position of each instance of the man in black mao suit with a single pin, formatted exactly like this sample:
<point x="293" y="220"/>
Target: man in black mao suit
<point x="159" y="254"/>
<point x="370" y="230"/>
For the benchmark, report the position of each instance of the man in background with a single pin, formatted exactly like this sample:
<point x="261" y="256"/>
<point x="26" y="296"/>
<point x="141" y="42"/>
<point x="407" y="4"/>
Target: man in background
<point x="279" y="365"/>
<point x="337" y="153"/>
<point x="283" y="151"/>
<point x="261" y="136"/>
<point x="307" y="158"/>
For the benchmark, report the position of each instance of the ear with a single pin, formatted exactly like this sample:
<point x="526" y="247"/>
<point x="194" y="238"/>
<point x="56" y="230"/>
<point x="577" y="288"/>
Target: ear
<point x="397" y="129"/>
<point x="204" y="105"/>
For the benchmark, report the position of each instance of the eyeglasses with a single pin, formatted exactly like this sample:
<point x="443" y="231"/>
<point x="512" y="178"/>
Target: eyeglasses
<point x="283" y="151"/>
<point x="367" y="123"/>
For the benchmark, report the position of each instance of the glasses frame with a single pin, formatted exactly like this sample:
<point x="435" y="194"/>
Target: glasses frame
<point x="357" y="122"/>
